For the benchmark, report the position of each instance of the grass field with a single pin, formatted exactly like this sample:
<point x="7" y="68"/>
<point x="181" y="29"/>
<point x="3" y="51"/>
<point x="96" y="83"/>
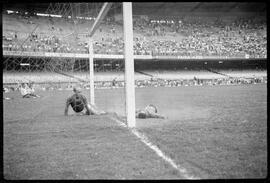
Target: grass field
<point x="212" y="131"/>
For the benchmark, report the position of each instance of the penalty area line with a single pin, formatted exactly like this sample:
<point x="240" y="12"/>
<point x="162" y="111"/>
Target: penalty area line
<point x="146" y="141"/>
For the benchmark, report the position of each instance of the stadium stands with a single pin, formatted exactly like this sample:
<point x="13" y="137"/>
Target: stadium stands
<point x="238" y="37"/>
<point x="230" y="37"/>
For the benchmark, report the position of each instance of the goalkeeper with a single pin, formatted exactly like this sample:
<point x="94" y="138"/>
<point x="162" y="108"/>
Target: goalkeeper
<point x="78" y="102"/>
<point x="149" y="111"/>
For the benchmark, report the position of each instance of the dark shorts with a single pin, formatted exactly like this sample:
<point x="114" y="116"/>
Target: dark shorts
<point x="142" y="114"/>
<point x="78" y="108"/>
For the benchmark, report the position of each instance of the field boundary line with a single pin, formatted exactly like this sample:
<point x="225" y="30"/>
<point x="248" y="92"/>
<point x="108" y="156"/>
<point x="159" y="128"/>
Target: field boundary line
<point x="146" y="141"/>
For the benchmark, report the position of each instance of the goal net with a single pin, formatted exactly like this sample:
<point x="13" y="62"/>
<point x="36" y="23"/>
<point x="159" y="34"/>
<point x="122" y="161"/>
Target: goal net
<point x="52" y="49"/>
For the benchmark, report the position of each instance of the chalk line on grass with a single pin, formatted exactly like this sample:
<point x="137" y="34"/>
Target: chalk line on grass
<point x="146" y="141"/>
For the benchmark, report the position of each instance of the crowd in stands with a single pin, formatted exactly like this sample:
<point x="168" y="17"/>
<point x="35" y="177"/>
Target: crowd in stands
<point x="243" y="37"/>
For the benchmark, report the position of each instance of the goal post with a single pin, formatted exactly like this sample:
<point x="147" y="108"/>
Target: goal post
<point x="100" y="17"/>
<point x="128" y="57"/>
<point x="129" y="64"/>
<point x="91" y="72"/>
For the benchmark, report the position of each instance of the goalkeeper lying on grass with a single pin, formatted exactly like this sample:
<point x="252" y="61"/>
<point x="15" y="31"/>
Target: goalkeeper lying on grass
<point x="78" y="103"/>
<point x="149" y="111"/>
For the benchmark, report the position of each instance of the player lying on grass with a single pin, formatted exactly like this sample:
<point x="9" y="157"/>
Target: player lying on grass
<point x="79" y="102"/>
<point x="27" y="90"/>
<point x="149" y="111"/>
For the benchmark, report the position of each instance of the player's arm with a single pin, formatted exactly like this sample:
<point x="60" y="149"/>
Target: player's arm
<point x="67" y="105"/>
<point x="88" y="110"/>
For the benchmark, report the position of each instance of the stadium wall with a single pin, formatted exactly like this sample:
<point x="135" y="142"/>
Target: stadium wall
<point x="116" y="57"/>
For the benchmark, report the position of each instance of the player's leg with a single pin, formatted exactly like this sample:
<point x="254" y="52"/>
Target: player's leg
<point x="34" y="95"/>
<point x="97" y="111"/>
<point x="155" y="115"/>
<point x="93" y="110"/>
<point x="26" y="96"/>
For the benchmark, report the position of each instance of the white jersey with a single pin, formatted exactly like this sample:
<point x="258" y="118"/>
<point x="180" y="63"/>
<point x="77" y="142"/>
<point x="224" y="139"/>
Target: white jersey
<point x="26" y="90"/>
<point x="30" y="90"/>
<point x="150" y="109"/>
<point x="23" y="91"/>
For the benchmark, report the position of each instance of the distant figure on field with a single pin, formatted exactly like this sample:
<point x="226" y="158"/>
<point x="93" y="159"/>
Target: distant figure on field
<point x="114" y="82"/>
<point x="6" y="98"/>
<point x="79" y="102"/>
<point x="149" y="111"/>
<point x="5" y="90"/>
<point x="27" y="90"/>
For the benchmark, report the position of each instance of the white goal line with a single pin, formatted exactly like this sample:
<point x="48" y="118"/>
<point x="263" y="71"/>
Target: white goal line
<point x="146" y="141"/>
